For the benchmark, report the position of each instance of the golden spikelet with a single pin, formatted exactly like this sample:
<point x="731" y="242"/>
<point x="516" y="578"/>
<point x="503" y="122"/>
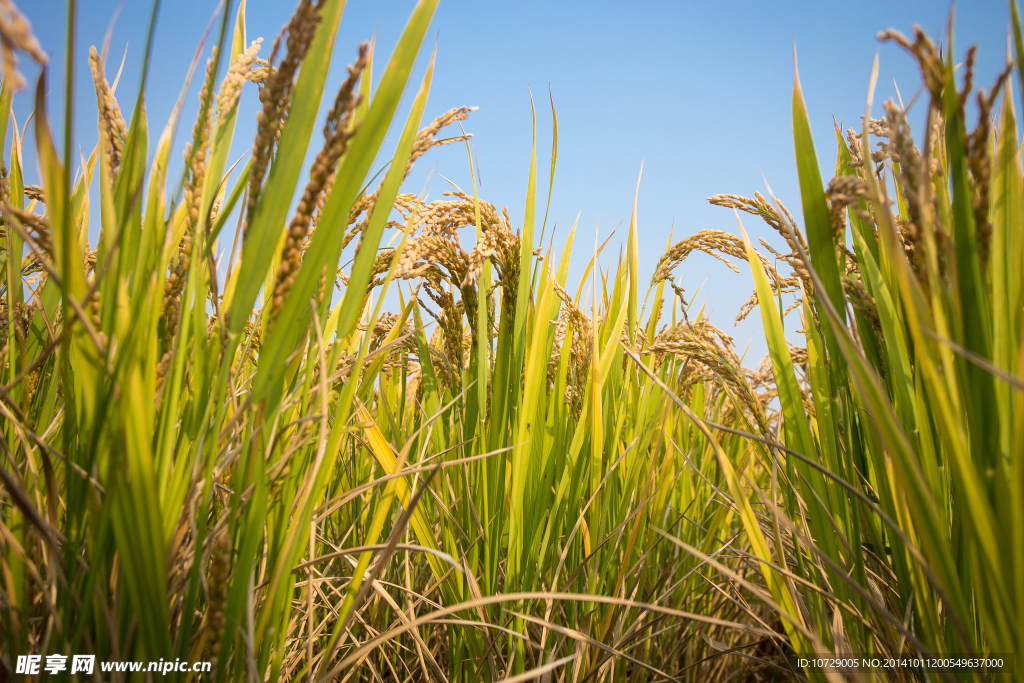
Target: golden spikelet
<point x="275" y="96"/>
<point x="980" y="165"/>
<point x="842" y="192"/>
<point x="715" y="243"/>
<point x="425" y="140"/>
<point x="217" y="593"/>
<point x="195" y="158"/>
<point x="196" y="151"/>
<point x="928" y="56"/>
<point x="37" y="226"/>
<point x="337" y="133"/>
<point x="481" y="253"/>
<point x="239" y="72"/>
<point x="35" y="193"/>
<point x="112" y="126"/>
<point x="16" y="34"/>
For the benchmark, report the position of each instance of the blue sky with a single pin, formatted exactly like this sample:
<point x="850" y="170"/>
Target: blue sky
<point x="699" y="92"/>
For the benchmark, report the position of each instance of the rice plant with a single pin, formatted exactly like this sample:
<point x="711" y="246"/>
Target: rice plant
<point x="241" y="458"/>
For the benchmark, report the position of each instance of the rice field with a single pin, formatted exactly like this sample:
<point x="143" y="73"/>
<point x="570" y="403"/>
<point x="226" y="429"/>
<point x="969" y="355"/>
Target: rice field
<point x="266" y="465"/>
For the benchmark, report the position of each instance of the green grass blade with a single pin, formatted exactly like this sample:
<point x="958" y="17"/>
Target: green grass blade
<point x="820" y="237"/>
<point x="974" y="319"/>
<point x="360" y="156"/>
<point x="258" y="249"/>
<point x="285" y="333"/>
<point x="633" y="263"/>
